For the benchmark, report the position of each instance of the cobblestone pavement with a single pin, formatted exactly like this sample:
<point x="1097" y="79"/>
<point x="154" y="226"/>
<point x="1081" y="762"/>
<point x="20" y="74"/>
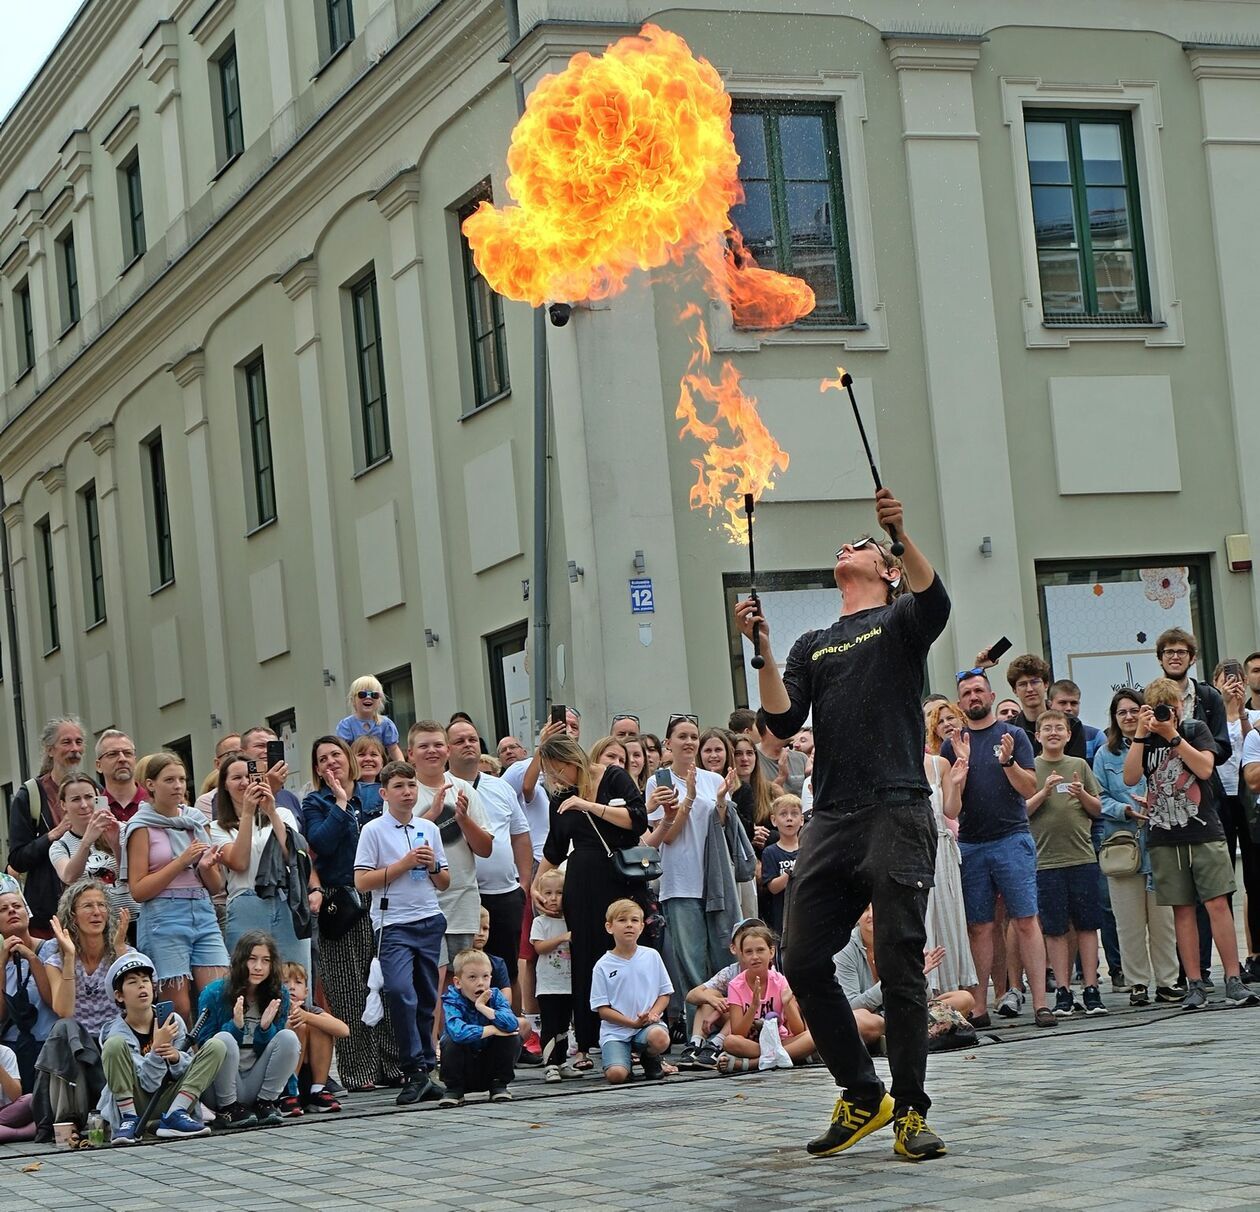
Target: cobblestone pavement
<point x="1142" y="1111"/>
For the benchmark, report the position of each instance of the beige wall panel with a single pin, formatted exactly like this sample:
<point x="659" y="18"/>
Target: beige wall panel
<point x="380" y="578"/>
<point x="1094" y="419"/>
<point x="494" y="527"/>
<point x="100" y="694"/>
<point x="168" y="664"/>
<point x="266" y="597"/>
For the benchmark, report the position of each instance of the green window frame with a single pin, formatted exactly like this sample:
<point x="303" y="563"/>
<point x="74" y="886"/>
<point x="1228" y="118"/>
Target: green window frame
<point x="340" y="24"/>
<point x="52" y="625"/>
<point x="134" y="194"/>
<point x="487" y="329"/>
<point x="164" y="555"/>
<point x="70" y="278"/>
<point x="95" y="559"/>
<point x="258" y="421"/>
<point x="230" y="100"/>
<point x="1087" y="219"/>
<point x="373" y="397"/>
<point x="793" y="215"/>
<point x="25" y="327"/>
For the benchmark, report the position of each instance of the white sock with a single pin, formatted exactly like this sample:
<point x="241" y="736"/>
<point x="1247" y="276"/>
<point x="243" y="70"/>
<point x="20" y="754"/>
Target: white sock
<point x="317" y="1087"/>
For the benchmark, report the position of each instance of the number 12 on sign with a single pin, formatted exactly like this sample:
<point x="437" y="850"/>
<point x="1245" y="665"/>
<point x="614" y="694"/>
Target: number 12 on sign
<point x="641" y="598"/>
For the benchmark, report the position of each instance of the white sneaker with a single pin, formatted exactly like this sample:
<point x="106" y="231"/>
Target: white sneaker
<point x="552" y="1073"/>
<point x="1012" y="1004"/>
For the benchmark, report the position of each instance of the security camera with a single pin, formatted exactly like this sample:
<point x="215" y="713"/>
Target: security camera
<point x="560" y="313"/>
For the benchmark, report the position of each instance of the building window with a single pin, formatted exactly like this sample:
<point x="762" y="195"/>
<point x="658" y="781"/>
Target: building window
<point x="182" y="749"/>
<point x="93" y="561"/>
<point x="373" y="406"/>
<point x="48" y="585"/>
<point x="161" y="555"/>
<point x="511" y="701"/>
<point x="1087" y="217"/>
<point x="340" y="24"/>
<point x="25" y="327"/>
<point x="792" y="217"/>
<point x="258" y="425"/>
<point x="230" y="104"/>
<point x="400" y="699"/>
<point x="132" y="208"/>
<point x="486" y="330"/>
<point x="69" y="273"/>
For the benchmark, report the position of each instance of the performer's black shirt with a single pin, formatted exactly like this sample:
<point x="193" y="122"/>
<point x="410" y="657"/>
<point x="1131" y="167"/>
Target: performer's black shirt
<point x="863" y="679"/>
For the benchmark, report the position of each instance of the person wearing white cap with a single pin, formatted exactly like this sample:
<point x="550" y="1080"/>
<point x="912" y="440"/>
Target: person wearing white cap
<point x="138" y="1053"/>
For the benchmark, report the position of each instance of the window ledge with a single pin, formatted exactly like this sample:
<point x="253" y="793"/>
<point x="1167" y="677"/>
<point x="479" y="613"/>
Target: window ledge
<point x="332" y="58"/>
<point x="93" y="626"/>
<point x="225" y="166"/>
<point x="69" y="328"/>
<point x="23" y="373"/>
<point x="50" y="652"/>
<point x="159" y="588"/>
<point x="139" y="256"/>
<point x="485" y="404"/>
<point x="1040" y="333"/>
<point x="385" y="458"/>
<point x="1105" y="325"/>
<point x="249" y="534"/>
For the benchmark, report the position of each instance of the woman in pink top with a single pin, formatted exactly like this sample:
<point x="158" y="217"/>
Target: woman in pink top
<point x="173" y="869"/>
<point x="757" y="993"/>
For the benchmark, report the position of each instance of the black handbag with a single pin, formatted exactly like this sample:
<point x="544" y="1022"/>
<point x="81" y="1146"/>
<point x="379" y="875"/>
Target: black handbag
<point x="340" y="913"/>
<point x="632" y="863"/>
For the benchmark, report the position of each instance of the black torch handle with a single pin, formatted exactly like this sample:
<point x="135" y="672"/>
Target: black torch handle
<point x="758" y="661"/>
<point x="897" y="548"/>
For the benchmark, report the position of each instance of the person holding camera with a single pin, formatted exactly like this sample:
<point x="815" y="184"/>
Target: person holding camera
<point x="1186" y="842"/>
<point x="246" y="822"/>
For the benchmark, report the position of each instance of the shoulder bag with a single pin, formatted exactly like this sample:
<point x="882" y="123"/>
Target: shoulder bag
<point x="633" y="863"/>
<point x="1120" y="854"/>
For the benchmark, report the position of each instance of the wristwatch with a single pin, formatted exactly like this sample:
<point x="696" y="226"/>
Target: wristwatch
<point x="1176" y="740"/>
<point x="1010" y="761"/>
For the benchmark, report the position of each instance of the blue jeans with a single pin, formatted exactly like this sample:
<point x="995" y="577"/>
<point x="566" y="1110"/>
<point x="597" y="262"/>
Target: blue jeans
<point x="179" y="935"/>
<point x="1007" y="865"/>
<point x="615" y="1053"/>
<point x="691" y="954"/>
<point x="409" y="963"/>
<point x="248" y="911"/>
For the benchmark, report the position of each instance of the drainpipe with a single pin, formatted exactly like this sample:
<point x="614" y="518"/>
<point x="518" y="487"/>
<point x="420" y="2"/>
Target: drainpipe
<point x="538" y="583"/>
<point x="15" y="666"/>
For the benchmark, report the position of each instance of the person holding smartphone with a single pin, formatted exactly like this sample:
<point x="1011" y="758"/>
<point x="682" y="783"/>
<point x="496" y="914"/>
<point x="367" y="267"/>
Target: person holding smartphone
<point x="872" y="839"/>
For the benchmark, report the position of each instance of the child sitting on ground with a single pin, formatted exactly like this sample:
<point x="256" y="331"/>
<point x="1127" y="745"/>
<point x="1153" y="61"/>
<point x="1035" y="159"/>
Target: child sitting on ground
<point x="138" y="1053"/>
<point x="481" y="1035"/>
<point x="550" y="935"/>
<point x="758" y="993"/>
<point x="316" y="1029"/>
<point x="708" y="1028"/>
<point x="630" y="990"/>
<point x="249" y="1011"/>
<point x="502" y="981"/>
<point x="17" y="1121"/>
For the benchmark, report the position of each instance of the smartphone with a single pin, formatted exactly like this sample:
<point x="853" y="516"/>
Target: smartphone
<point x="251" y="768"/>
<point x="275" y="753"/>
<point x="559" y="713"/>
<point x="162" y="1011"/>
<point x="1000" y="649"/>
<point x="664" y="778"/>
<point x="102" y="804"/>
<point x="1232" y="670"/>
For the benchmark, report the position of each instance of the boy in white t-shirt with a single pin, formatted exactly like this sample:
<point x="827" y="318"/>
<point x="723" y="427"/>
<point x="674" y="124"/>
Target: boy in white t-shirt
<point x="629" y="991"/>
<point x="550" y="935"/>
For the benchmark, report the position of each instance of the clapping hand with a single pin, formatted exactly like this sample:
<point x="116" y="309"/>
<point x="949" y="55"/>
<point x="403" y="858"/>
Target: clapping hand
<point x="120" y="934"/>
<point x="195" y="853"/>
<point x="238" y="1013"/>
<point x="932" y="957"/>
<point x="461" y="805"/>
<point x="1006" y="750"/>
<point x="1053" y="779"/>
<point x="1076" y="788"/>
<point x="268" y="1016"/>
<point x="64" y="941"/>
<point x="731" y="785"/>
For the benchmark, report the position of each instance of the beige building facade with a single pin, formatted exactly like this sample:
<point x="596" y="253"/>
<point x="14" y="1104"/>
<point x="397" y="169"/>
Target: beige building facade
<point x="265" y="429"/>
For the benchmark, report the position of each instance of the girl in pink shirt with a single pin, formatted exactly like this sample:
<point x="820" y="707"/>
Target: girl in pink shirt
<point x="760" y="992"/>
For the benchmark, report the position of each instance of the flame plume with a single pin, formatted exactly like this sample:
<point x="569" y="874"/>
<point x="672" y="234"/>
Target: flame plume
<point x="627" y="162"/>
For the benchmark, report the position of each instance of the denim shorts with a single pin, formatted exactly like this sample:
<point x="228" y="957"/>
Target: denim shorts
<point x="1008" y="866"/>
<point x="1069" y="896"/>
<point x="179" y="935"/>
<point x="615" y="1053"/>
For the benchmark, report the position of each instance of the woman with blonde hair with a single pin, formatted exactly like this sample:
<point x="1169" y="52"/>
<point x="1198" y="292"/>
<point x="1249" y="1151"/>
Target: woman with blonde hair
<point x="595" y="811"/>
<point x="608" y="751"/>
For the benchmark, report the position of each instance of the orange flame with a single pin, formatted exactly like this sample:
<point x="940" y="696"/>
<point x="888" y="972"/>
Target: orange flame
<point x="627" y="161"/>
<point x="725" y="473"/>
<point x="836" y="384"/>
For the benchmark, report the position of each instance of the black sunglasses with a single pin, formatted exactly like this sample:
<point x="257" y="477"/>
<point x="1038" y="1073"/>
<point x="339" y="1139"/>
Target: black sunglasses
<point x="369" y="694"/>
<point x="682" y="715"/>
<point x="627" y="716"/>
<point x="867" y="541"/>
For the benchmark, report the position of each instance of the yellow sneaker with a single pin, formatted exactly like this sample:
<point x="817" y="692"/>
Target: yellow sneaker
<point x="849" y="1123"/>
<point x="914" y="1140"/>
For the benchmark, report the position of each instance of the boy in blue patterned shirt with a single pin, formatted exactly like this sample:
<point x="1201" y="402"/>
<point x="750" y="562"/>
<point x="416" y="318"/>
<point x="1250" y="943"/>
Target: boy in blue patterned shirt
<point x="481" y="1037"/>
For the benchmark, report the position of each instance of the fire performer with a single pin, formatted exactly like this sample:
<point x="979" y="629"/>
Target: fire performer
<point x="872" y="839"/>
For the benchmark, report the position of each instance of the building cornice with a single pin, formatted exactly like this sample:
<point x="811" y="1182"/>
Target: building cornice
<point x="549" y="40"/>
<point x="189" y="367"/>
<point x="401" y="191"/>
<point x="53" y="479"/>
<point x="934" y="52"/>
<point x="301" y="276"/>
<point x="122" y="130"/>
<point x="1208" y="62"/>
<point x="101" y="439"/>
<point x="211" y="23"/>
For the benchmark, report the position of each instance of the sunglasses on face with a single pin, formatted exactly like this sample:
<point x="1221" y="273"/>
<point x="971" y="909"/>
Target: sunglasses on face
<point x="369" y="694"/>
<point x="868" y="541"/>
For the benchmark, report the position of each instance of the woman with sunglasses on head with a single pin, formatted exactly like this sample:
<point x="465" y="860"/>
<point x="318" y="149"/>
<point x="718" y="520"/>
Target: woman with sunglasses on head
<point x="872" y="839"/>
<point x="367" y="717"/>
<point x="595" y="811"/>
<point x="680" y="803"/>
<point x="1148" y="938"/>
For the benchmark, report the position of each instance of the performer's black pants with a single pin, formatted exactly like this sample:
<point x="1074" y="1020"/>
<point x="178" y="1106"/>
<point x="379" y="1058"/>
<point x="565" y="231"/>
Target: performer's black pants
<point x="882" y="855"/>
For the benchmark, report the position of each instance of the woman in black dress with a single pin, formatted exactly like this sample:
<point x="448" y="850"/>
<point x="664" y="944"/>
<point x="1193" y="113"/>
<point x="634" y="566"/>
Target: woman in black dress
<point x="588" y="803"/>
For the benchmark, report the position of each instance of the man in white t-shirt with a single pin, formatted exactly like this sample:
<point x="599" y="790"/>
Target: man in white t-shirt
<point x="454" y="805"/>
<point x="502" y="876"/>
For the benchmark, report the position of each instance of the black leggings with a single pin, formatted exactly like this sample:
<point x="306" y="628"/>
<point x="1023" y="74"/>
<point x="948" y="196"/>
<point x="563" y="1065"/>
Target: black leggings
<point x="555" y="1010"/>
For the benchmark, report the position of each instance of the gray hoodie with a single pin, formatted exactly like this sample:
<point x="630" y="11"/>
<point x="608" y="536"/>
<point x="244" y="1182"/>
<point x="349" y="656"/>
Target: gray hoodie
<point x="150" y="1069"/>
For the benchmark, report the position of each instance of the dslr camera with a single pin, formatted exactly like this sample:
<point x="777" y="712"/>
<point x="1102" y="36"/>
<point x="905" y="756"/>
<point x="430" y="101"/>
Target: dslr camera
<point x="1163" y="713"/>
